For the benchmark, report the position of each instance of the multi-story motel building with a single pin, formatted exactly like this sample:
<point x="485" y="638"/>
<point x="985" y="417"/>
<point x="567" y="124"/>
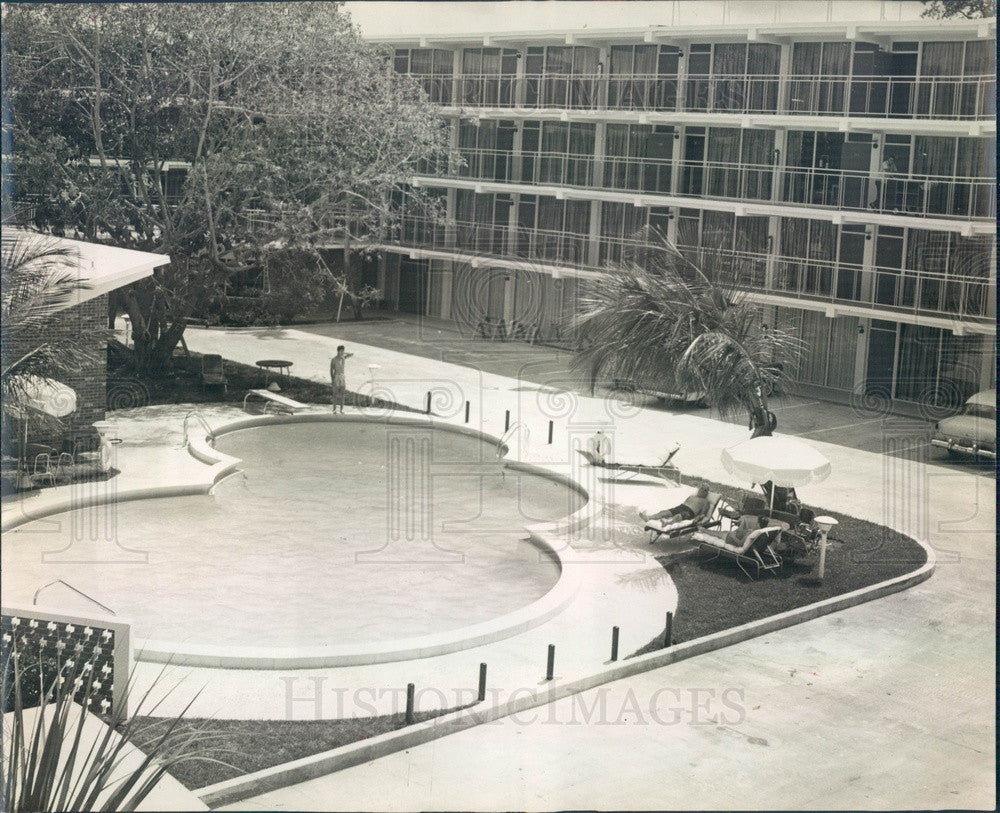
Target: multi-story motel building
<point x="849" y="166"/>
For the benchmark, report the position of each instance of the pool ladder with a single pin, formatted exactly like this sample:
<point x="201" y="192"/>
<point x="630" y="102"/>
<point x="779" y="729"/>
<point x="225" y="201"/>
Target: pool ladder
<point x="502" y="443"/>
<point x="34" y="600"/>
<point x="194" y="413"/>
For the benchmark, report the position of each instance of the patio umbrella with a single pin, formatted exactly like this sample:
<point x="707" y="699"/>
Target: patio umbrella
<point x="49" y="396"/>
<point x="782" y="461"/>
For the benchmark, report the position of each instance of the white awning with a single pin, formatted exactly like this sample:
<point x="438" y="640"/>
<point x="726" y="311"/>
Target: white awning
<point x="100" y="268"/>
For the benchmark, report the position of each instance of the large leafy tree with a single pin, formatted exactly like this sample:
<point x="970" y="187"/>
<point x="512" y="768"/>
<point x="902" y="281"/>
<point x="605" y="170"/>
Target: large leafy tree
<point x="219" y="134"/>
<point x="969" y="9"/>
<point x="660" y="320"/>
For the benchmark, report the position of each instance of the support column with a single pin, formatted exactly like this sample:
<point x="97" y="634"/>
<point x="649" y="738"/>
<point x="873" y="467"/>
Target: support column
<point x="676" y="155"/>
<point x="773" y="252"/>
<point x="780" y="159"/>
<point x="600" y="149"/>
<point x="594" y="238"/>
<point x="784" y="70"/>
<point x="682" y="74"/>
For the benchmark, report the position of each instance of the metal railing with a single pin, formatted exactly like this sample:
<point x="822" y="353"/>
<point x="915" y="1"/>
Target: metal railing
<point x="954" y="293"/>
<point x="888" y="192"/>
<point x="949" y="97"/>
<point x="209" y="432"/>
<point x="34" y="600"/>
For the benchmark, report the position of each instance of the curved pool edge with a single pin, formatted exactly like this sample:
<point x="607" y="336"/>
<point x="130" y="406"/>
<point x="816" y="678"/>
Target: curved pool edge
<point x="556" y="599"/>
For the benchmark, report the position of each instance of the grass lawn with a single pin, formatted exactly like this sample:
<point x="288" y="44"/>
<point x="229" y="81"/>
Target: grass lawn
<point x="231" y="748"/>
<point x="181" y="384"/>
<point x="714" y="594"/>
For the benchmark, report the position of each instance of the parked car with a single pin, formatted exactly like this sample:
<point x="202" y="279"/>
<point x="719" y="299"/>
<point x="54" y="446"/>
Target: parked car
<point x="973" y="431"/>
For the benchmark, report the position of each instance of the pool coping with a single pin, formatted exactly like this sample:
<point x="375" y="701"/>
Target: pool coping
<point x="346" y="756"/>
<point x="221" y="465"/>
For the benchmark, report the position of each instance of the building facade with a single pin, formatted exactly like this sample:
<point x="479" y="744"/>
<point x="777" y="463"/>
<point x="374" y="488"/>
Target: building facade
<point x="849" y="167"/>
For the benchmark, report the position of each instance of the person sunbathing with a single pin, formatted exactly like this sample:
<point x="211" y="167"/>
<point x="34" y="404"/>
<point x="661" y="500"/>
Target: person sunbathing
<point x="694" y="507"/>
<point x="748" y="524"/>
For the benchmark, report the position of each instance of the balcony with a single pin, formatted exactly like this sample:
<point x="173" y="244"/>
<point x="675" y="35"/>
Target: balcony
<point x="926" y="97"/>
<point x="928" y="196"/>
<point x="919" y="293"/>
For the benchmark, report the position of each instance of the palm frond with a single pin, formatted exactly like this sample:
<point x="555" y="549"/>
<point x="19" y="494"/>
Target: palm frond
<point x="677" y="323"/>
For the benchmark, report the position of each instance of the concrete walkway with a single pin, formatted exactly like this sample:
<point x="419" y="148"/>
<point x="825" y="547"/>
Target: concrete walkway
<point x="890" y="704"/>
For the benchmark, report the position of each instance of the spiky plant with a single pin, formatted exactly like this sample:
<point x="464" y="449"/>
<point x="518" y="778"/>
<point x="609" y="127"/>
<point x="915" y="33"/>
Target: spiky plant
<point x="658" y="319"/>
<point x="56" y="757"/>
<point x="39" y="278"/>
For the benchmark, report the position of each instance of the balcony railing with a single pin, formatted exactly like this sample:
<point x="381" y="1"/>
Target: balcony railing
<point x="914" y="194"/>
<point x="915" y="291"/>
<point x="944" y="97"/>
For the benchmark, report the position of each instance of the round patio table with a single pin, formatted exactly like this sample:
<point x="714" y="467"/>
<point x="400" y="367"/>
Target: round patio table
<point x="283" y="367"/>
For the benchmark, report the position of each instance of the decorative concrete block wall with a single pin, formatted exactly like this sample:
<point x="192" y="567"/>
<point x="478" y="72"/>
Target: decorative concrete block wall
<point x="47" y="641"/>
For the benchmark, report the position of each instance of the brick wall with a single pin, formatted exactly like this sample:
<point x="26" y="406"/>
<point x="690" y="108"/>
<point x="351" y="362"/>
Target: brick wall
<point x="87" y="378"/>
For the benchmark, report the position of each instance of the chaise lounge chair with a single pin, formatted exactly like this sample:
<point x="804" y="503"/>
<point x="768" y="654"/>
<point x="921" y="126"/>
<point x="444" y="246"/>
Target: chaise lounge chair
<point x="756" y="549"/>
<point x="712" y="519"/>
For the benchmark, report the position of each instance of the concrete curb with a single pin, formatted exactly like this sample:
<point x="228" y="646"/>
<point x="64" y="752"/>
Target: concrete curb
<point x="347" y="756"/>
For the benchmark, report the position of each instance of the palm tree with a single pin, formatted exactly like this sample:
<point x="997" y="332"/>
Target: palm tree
<point x="659" y="318"/>
<point x="38" y="279"/>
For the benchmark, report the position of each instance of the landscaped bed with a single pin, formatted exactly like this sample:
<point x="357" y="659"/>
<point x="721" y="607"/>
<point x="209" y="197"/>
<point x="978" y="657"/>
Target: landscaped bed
<point x="238" y="747"/>
<point x="715" y="595"/>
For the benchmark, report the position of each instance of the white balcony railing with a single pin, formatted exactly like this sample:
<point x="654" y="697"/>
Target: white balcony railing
<point x="938" y="97"/>
<point x="920" y="195"/>
<point x="918" y="291"/>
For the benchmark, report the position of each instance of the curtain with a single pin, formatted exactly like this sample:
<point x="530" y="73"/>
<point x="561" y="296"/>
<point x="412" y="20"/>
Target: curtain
<point x="935" y="156"/>
<point x="940" y="92"/>
<point x="580" y="147"/>
<point x="551" y="159"/>
<point x="974" y="198"/>
<point x="729" y="71"/>
<point x="794" y="253"/>
<point x="762" y="70"/>
<point x="757" y="155"/>
<point x="616" y="166"/>
<point x="723" y="176"/>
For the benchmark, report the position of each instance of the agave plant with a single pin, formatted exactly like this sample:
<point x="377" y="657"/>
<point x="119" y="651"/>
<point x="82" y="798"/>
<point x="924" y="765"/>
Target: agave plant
<point x="660" y="319"/>
<point x="57" y="757"/>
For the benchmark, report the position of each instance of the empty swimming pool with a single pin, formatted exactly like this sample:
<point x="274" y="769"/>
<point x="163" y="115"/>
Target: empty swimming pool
<point x="329" y="534"/>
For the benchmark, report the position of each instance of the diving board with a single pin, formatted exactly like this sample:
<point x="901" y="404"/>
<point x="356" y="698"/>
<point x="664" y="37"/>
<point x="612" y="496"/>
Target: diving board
<point x="273" y="397"/>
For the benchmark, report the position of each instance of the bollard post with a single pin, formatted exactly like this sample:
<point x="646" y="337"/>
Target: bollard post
<point x="550" y="668"/>
<point x="482" y="682"/>
<point x="506" y="420"/>
<point x="550" y="433"/>
<point x="428" y="403"/>
<point x="668" y="633"/>
<point x="614" y="643"/>
<point x="409" y="703"/>
<point x="466" y="411"/>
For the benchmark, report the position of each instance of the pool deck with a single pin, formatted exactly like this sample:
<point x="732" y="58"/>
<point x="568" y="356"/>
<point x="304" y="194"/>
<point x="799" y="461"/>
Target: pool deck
<point x="888" y="704"/>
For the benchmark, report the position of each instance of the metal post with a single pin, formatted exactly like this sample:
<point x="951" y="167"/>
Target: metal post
<point x="506" y="420"/>
<point x="550" y="668"/>
<point x="466" y="411"/>
<point x="550" y="432"/>
<point x="614" y="643"/>
<point x="428" y="403"/>
<point x="668" y="633"/>
<point x="482" y="682"/>
<point x="409" y="703"/>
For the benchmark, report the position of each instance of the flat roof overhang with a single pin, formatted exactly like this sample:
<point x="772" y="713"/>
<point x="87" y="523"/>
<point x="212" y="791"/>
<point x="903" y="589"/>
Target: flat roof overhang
<point x="100" y="269"/>
<point x="879" y="33"/>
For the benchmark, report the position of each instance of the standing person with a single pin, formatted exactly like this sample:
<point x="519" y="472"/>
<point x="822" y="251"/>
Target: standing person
<point x="338" y="378"/>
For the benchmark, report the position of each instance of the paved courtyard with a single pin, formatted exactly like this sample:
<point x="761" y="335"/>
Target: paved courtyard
<point x="890" y="704"/>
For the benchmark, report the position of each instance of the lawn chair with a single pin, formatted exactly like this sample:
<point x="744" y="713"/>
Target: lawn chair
<point x="64" y="468"/>
<point x="718" y="510"/>
<point x="42" y="470"/>
<point x="756" y="549"/>
<point x="213" y="372"/>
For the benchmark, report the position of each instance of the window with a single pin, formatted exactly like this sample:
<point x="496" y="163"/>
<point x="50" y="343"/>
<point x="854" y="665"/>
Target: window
<point x="638" y="157"/>
<point x="488" y="76"/>
<point x="643" y="77"/>
<point x="432" y="66"/>
<point x="733" y="77"/>
<point x="561" y="76"/>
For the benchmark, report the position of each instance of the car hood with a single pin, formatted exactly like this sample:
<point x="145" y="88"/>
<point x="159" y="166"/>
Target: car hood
<point x="968" y="427"/>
